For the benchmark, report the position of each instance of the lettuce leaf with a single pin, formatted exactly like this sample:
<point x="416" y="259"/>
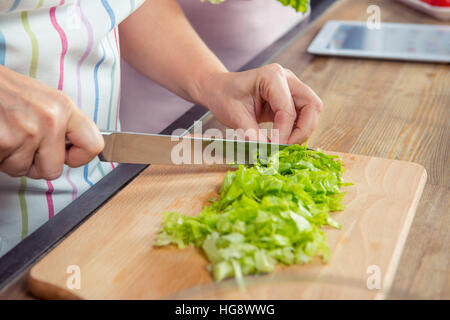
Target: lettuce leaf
<point x="266" y="214"/>
<point x="298" y="5"/>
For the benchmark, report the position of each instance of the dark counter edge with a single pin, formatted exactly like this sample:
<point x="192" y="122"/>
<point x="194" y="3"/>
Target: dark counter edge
<point x="19" y="259"/>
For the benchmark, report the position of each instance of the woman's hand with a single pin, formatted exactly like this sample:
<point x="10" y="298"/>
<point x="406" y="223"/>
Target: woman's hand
<point x="267" y="94"/>
<point x="35" y="119"/>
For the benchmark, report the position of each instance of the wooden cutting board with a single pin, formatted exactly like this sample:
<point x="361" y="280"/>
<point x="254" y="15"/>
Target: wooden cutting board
<point x="116" y="258"/>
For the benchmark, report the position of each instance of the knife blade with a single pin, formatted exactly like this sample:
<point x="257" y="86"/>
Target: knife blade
<point x="141" y="148"/>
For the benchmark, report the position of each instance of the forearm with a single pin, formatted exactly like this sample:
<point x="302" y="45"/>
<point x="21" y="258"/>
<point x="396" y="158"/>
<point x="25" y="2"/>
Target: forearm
<point x="158" y="41"/>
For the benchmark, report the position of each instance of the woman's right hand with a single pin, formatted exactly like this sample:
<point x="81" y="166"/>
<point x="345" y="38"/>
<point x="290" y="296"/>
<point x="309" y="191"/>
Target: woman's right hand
<point x="35" y="120"/>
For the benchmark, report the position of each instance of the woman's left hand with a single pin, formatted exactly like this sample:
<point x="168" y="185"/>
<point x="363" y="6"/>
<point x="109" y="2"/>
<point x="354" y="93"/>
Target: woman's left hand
<point x="267" y="94"/>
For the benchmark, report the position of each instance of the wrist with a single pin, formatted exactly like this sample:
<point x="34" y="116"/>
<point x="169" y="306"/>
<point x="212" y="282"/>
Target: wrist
<point x="204" y="86"/>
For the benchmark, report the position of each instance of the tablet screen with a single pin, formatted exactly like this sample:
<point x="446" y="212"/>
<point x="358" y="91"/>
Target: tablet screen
<point x="391" y="39"/>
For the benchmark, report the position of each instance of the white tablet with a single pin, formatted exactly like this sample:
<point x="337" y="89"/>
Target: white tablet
<point x="415" y="42"/>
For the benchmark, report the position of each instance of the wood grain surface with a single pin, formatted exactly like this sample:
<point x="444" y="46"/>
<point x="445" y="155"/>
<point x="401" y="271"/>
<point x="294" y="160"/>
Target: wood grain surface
<point x="117" y="260"/>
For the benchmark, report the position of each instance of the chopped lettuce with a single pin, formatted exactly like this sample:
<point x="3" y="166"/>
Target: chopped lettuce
<point x="298" y="5"/>
<point x="266" y="214"/>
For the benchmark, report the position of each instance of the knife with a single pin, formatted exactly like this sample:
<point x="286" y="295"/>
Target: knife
<point x="140" y="148"/>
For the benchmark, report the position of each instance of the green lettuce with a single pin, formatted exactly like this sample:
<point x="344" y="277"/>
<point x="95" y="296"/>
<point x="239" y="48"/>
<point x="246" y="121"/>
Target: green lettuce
<point x="266" y="214"/>
<point x="298" y="5"/>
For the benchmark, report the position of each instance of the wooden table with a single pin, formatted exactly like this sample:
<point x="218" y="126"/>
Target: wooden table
<point x="380" y="108"/>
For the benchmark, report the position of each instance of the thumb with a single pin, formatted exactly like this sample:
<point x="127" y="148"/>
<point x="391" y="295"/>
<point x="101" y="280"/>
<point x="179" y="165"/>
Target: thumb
<point x="86" y="140"/>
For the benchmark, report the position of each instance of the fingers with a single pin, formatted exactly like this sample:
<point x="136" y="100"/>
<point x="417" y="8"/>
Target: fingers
<point x="306" y="123"/>
<point x="87" y="142"/>
<point x="19" y="163"/>
<point x="308" y="106"/>
<point x="270" y="93"/>
<point x="7" y="140"/>
<point x="49" y="159"/>
<point x="18" y="141"/>
<point x="274" y="89"/>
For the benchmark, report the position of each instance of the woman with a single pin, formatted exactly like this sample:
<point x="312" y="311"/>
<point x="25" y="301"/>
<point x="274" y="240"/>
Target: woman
<point x="59" y="77"/>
